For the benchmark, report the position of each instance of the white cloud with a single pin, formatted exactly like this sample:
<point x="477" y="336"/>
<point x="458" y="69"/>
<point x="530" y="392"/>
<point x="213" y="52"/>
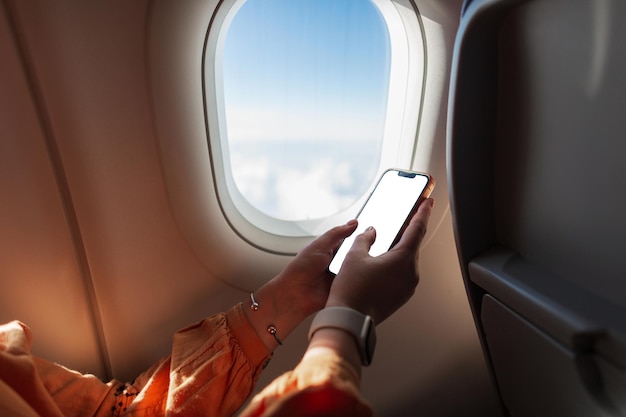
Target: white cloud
<point x="251" y="176"/>
<point x="310" y="194"/>
<point x="294" y="193"/>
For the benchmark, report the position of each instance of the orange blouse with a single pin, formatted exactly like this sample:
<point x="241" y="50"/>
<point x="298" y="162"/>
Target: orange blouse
<point x="211" y="371"/>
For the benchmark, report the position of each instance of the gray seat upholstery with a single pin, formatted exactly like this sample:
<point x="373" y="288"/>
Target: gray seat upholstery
<point x="538" y="194"/>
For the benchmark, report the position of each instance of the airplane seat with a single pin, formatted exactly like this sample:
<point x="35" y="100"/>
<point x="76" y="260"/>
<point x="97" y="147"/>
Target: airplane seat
<point x="537" y="190"/>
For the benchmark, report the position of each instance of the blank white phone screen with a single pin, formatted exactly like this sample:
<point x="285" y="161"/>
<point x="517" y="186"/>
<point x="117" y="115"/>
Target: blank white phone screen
<point x="387" y="208"/>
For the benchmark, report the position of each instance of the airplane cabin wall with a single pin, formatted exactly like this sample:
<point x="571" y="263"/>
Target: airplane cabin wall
<point x="86" y="67"/>
<point x="42" y="269"/>
<point x="93" y="255"/>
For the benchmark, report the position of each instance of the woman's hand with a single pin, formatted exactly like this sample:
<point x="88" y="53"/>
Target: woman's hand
<point x="305" y="281"/>
<point x="300" y="289"/>
<point x="378" y="286"/>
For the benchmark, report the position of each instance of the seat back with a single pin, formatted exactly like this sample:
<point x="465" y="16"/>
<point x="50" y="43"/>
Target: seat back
<point x="538" y="193"/>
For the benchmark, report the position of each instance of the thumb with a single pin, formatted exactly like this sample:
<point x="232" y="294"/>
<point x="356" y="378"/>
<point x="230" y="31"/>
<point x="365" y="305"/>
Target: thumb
<point x="365" y="240"/>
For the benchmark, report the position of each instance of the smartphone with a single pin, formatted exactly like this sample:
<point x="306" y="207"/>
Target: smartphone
<point x="388" y="209"/>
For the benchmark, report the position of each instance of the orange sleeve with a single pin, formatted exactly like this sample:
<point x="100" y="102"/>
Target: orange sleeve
<point x="321" y="385"/>
<point x="215" y="365"/>
<point x="212" y="370"/>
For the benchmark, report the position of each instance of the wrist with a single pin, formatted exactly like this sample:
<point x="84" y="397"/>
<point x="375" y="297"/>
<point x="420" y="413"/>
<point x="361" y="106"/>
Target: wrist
<point x="338" y="342"/>
<point x="272" y="315"/>
<point x="344" y="302"/>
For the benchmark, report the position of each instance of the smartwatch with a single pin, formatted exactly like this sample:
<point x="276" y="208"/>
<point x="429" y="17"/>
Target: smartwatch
<point x="359" y="325"/>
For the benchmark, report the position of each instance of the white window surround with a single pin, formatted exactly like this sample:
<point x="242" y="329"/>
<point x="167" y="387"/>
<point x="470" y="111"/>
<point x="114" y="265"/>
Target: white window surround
<point x="403" y="114"/>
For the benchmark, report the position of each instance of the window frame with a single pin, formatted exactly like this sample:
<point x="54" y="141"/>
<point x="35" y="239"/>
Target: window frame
<point x="404" y="109"/>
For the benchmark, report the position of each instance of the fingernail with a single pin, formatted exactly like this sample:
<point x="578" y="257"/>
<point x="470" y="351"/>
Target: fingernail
<point x="369" y="228"/>
<point x="351" y="222"/>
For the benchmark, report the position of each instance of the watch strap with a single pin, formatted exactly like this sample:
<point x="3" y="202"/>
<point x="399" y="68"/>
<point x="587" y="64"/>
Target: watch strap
<point x="359" y="325"/>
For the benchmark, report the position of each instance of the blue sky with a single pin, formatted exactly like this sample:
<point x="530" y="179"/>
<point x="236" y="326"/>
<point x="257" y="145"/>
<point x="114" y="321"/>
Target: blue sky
<point x="312" y="71"/>
<point x="324" y="49"/>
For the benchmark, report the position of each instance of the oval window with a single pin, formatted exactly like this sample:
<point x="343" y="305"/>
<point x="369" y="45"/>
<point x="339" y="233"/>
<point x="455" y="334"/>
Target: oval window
<point x="307" y="102"/>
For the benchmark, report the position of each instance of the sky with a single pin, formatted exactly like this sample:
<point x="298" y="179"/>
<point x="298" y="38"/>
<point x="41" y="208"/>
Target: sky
<point x="305" y="90"/>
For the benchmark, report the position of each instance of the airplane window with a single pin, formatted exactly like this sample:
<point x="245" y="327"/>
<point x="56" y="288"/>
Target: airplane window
<point x="305" y="96"/>
<point x="307" y="103"/>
